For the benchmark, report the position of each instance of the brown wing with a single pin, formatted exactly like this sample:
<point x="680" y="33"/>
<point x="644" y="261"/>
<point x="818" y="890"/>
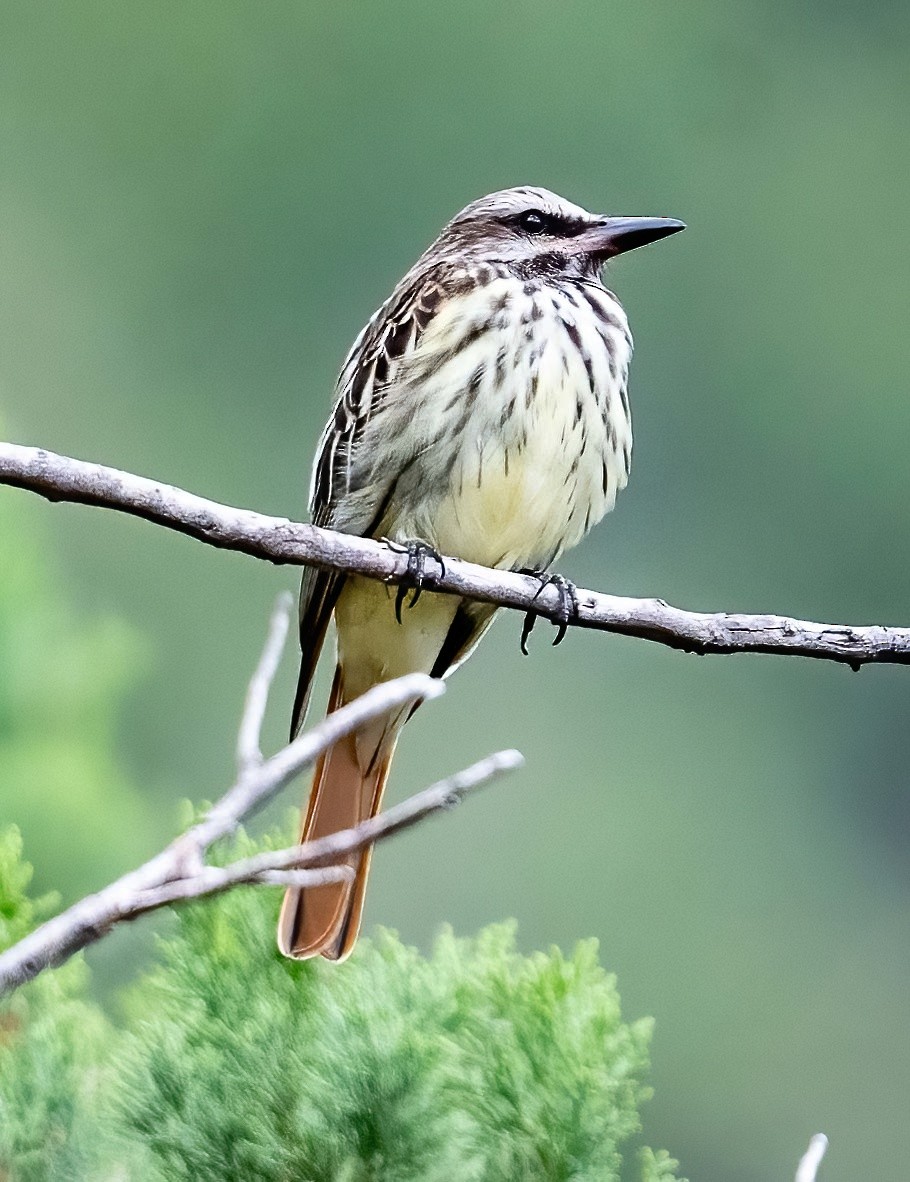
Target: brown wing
<point x="367" y="379"/>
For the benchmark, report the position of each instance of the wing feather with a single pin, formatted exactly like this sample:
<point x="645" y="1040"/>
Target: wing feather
<point x="366" y="381"/>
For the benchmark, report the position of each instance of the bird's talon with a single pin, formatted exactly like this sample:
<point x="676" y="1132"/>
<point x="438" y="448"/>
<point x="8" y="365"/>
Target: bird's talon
<point x="415" y="576"/>
<point x="526" y="629"/>
<point x="400" y="596"/>
<point x="566" y="611"/>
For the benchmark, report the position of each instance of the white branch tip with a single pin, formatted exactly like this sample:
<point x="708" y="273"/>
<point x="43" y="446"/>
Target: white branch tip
<point x="812" y="1159"/>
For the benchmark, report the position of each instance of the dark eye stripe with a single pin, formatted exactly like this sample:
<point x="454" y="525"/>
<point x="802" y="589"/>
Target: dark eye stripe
<point x="535" y="221"/>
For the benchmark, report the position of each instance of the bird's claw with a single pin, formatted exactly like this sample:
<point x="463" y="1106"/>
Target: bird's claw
<point x="567" y="609"/>
<point x="416" y="574"/>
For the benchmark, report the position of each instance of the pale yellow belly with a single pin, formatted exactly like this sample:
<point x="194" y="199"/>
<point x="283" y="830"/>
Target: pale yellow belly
<point x="503" y="518"/>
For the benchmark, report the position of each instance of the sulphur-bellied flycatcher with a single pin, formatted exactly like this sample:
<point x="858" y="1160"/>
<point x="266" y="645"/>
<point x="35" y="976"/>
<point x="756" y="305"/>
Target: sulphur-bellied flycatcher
<point x="482" y="411"/>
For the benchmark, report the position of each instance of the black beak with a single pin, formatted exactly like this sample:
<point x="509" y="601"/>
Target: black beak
<point x="614" y="236"/>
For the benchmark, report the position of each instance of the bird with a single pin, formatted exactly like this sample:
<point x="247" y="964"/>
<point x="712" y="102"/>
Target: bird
<point x="481" y="413"/>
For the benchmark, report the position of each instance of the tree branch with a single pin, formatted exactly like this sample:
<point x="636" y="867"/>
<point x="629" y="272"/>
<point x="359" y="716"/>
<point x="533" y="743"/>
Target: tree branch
<point x="180" y="872"/>
<point x="276" y="539"/>
<point x="812" y="1159"/>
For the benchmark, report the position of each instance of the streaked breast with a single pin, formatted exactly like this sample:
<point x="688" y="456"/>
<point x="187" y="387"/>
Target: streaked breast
<point x="522" y="392"/>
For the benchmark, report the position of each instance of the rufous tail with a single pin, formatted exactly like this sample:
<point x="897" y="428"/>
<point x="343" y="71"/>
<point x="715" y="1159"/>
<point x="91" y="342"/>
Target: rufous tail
<point x="347" y="789"/>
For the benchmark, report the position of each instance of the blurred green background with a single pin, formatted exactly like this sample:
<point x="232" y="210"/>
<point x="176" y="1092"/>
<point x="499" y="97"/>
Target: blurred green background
<point x="200" y="203"/>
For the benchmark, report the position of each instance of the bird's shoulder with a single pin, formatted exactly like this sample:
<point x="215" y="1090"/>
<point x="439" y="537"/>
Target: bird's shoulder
<point x="367" y="377"/>
<point x="396" y="328"/>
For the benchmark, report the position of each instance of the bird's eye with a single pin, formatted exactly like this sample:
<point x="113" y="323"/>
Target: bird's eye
<point x="532" y="221"/>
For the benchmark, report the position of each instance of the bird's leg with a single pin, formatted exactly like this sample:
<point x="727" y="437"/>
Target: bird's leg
<point x="416" y="574"/>
<point x="567" y="609"/>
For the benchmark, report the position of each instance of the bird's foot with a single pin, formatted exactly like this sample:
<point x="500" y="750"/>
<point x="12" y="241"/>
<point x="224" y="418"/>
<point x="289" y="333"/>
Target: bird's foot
<point x="566" y="611"/>
<point x="416" y="574"/>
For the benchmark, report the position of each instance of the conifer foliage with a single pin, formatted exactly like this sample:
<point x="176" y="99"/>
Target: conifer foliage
<point x="472" y="1063"/>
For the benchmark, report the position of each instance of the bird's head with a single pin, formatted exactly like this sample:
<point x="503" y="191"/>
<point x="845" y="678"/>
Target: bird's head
<point x="538" y="233"/>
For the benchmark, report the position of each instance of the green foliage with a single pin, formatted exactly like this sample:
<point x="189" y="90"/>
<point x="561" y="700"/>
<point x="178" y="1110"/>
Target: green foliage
<point x="18" y="912"/>
<point x="475" y="1063"/>
<point x="51" y="1048"/>
<point x="52" y="1045"/>
<point x="657" y="1166"/>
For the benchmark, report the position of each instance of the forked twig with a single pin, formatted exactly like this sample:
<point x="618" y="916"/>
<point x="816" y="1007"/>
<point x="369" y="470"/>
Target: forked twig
<point x="180" y="872"/>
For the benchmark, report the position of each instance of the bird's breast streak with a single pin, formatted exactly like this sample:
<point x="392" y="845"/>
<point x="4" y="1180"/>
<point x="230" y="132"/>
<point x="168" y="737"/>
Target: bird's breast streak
<point x="538" y="445"/>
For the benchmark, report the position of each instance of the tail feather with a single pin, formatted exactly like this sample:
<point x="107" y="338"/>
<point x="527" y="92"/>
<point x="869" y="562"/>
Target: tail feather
<point x="347" y="789"/>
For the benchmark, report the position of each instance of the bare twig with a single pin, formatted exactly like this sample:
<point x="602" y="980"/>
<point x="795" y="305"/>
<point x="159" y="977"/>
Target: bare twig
<point x="279" y="540"/>
<point x="180" y="871"/>
<point x="257" y="694"/>
<point x="327" y="851"/>
<point x="812" y="1159"/>
<point x="259" y="784"/>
